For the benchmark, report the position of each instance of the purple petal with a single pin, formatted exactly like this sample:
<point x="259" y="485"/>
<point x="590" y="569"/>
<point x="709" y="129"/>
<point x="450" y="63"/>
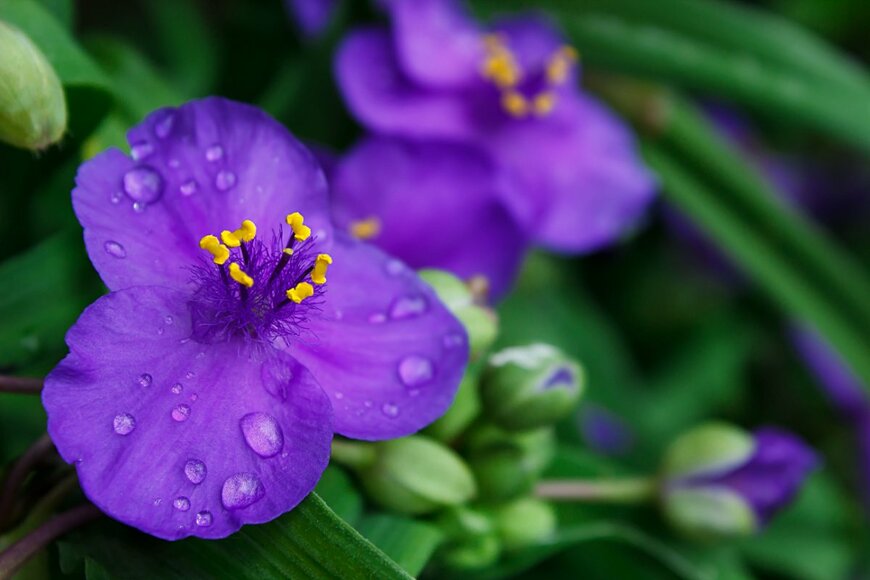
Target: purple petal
<point x="386" y="350"/>
<point x="439" y="205"/>
<point x="179" y="438"/>
<point x="583" y="182"/>
<point x="384" y="99"/>
<point x="312" y="16"/>
<point x="437" y="42"/>
<point x="199" y="169"/>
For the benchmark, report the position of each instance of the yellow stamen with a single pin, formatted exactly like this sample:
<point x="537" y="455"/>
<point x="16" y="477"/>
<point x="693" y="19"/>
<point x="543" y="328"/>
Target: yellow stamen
<point x="302" y="291"/>
<point x="246" y="233"/>
<point x="296" y="223"/>
<point x="515" y="104"/>
<point x="230" y="239"/>
<point x="288" y="251"/>
<point x="365" y="229"/>
<point x="560" y="65"/>
<point x="500" y="65"/>
<point x="318" y="275"/>
<point x="543" y="103"/>
<point x="213" y="246"/>
<point x="239" y="276"/>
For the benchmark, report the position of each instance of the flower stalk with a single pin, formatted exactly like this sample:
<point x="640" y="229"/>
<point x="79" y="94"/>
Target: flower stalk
<point x="18" y="474"/>
<point x="627" y="490"/>
<point x="20" y="385"/>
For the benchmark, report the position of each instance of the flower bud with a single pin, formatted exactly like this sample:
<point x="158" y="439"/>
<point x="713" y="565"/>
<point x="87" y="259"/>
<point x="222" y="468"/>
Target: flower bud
<point x="472" y="542"/>
<point x="465" y="408"/>
<point x="416" y="475"/>
<point x="474" y="553"/>
<point x="507" y="465"/>
<point x="32" y="105"/>
<point x="524" y="522"/>
<point x="481" y="323"/>
<point x="718" y="481"/>
<point x="532" y="386"/>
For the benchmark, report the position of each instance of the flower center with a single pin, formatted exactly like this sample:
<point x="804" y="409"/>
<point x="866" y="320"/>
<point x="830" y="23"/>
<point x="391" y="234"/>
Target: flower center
<point x="257" y="290"/>
<point x="523" y="93"/>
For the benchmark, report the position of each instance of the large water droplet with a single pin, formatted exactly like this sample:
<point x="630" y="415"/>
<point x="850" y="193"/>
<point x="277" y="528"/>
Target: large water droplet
<point x="241" y="490"/>
<point x="141" y="150"/>
<point x="143" y="184"/>
<point x="115" y="249"/>
<point x="188" y="188"/>
<point x="163" y="125"/>
<point x="195" y="471"/>
<point x="214" y="153"/>
<point x="124" y="424"/>
<point x="204" y="519"/>
<point x="390" y="410"/>
<point x="408" y="307"/>
<point x="225" y="180"/>
<point x="181" y="412"/>
<point x="182" y="504"/>
<point x="177" y="388"/>
<point x="416" y="371"/>
<point x="144" y="380"/>
<point x="262" y="434"/>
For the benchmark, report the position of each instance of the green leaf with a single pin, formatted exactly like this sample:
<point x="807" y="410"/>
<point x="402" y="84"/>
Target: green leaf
<point x="308" y="542"/>
<point x="410" y="543"/>
<point x="337" y="490"/>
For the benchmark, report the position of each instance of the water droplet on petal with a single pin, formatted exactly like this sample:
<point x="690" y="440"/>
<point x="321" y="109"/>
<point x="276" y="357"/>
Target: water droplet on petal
<point x="139" y="207"/>
<point x="241" y="490"/>
<point x="157" y="501"/>
<point x="168" y="319"/>
<point x="390" y="410"/>
<point x="339" y="395"/>
<point x="225" y="180"/>
<point x="377" y="318"/>
<point x="195" y="471"/>
<point x="143" y="184"/>
<point x="181" y="412"/>
<point x="124" y="424"/>
<point x="141" y="150"/>
<point x="395" y="267"/>
<point x="415" y="371"/>
<point x="368" y="404"/>
<point x="408" y="307"/>
<point x="182" y="504"/>
<point x="163" y="126"/>
<point x="189" y="375"/>
<point x="188" y="188"/>
<point x="262" y="434"/>
<point x="115" y="249"/>
<point x="174" y="163"/>
<point x="144" y="380"/>
<point x="214" y="152"/>
<point x="177" y="388"/>
<point x="117" y="196"/>
<point x="453" y="340"/>
<point x="204" y="519"/>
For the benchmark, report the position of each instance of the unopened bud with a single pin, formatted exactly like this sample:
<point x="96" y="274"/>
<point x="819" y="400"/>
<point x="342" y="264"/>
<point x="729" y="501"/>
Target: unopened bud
<point x="524" y="522"/>
<point x="507" y="465"/>
<point x="465" y="408"/>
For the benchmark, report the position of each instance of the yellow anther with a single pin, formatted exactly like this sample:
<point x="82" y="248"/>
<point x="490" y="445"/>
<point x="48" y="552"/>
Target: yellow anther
<point x="365" y="229"/>
<point x="560" y="65"/>
<point x="230" y="239"/>
<point x="543" y="103"/>
<point x="302" y="291"/>
<point x="515" y="104"/>
<point x="239" y="276"/>
<point x="296" y="223"/>
<point x="288" y="251"/>
<point x="500" y="65"/>
<point x="213" y="246"/>
<point x="246" y="233"/>
<point x="318" y="275"/>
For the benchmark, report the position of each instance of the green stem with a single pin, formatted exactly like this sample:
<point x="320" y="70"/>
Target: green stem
<point x="353" y="455"/>
<point x="20" y="385"/>
<point x="627" y="490"/>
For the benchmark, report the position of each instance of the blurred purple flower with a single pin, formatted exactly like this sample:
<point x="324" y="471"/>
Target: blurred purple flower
<point x="603" y="431"/>
<point x="203" y="391"/>
<point x="312" y="16"/>
<point x="511" y="91"/>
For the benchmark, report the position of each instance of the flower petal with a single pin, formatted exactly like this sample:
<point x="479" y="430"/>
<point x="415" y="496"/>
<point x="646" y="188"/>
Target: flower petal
<point x="437" y="42"/>
<point x="198" y="169"/>
<point x="583" y="184"/>
<point x="386" y="350"/>
<point x="179" y="438"/>
<point x="436" y="205"/>
<point x="383" y="98"/>
<point x="312" y="16"/>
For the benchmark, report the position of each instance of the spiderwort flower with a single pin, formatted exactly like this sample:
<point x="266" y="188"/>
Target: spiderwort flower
<point x="202" y="392"/>
<point x="312" y="16"/>
<point x="510" y="90"/>
<point x="721" y="481"/>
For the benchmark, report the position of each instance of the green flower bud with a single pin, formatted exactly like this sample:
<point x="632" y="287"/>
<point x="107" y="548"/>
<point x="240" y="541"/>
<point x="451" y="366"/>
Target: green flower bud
<point x="532" y="386"/>
<point x="524" y="522"/>
<point x="465" y="408"/>
<point x="473" y="553"/>
<point x="416" y="475"/>
<point x="708" y="513"/>
<point x="707" y="448"/>
<point x="463" y="523"/>
<point x="32" y="105"/>
<point x="508" y="465"/>
<point x="481" y="323"/>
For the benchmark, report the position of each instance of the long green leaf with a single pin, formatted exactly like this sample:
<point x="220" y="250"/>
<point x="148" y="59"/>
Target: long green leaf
<point x="410" y="543"/>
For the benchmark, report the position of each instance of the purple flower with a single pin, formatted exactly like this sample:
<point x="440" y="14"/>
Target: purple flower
<point x="511" y="91"/>
<point x="203" y="391"/>
<point x="603" y="431"/>
<point x="435" y="204"/>
<point x="312" y="16"/>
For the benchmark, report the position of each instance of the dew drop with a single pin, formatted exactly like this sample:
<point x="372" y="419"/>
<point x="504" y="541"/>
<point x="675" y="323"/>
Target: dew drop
<point x="115" y="249"/>
<point x="214" y="153"/>
<point x="453" y="340"/>
<point x="141" y="150"/>
<point x="195" y="471"/>
<point x="124" y="424"/>
<point x="144" y="380"/>
<point x="174" y="163"/>
<point x="139" y="207"/>
<point x="395" y="267"/>
<point x="225" y="180"/>
<point x="368" y="404"/>
<point x="157" y="501"/>
<point x="241" y="490"/>
<point x="117" y="196"/>
<point x="163" y="127"/>
<point x="390" y="410"/>
<point x="181" y="412"/>
<point x="339" y="395"/>
<point x="262" y="434"/>
<point x="182" y="504"/>
<point x="189" y="375"/>
<point x="408" y="307"/>
<point x="143" y="184"/>
<point x="177" y="388"/>
<point x="188" y="188"/>
<point x="204" y="519"/>
<point x="377" y="318"/>
<point x="415" y="371"/>
<point x="168" y="319"/>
